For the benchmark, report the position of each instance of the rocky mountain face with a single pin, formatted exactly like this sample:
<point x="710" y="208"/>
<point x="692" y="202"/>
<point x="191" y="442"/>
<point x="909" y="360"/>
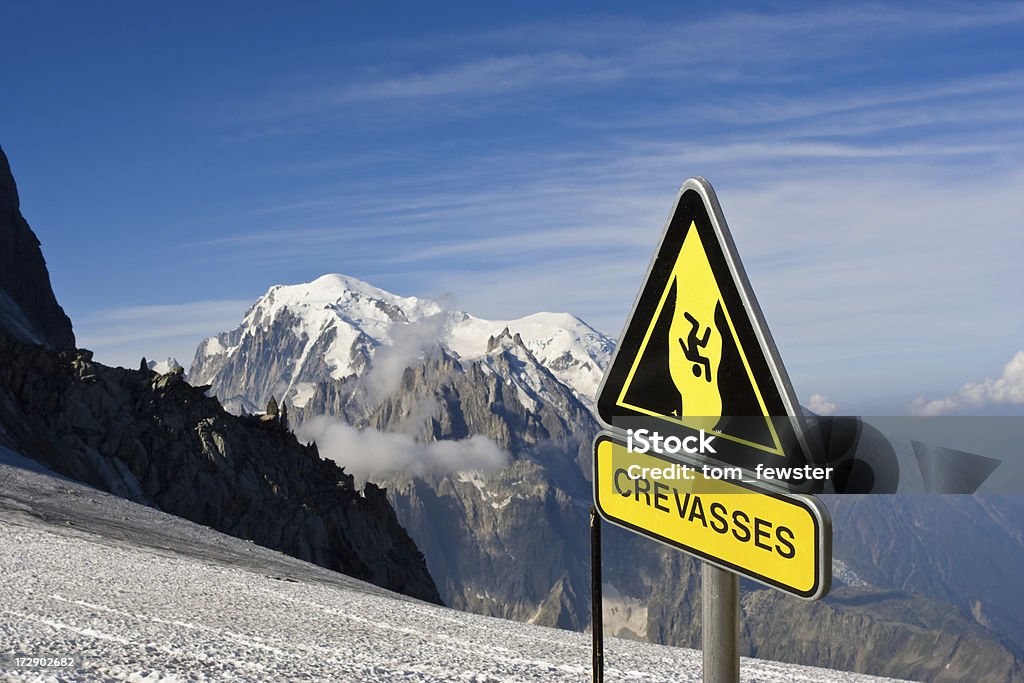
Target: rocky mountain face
<point x="964" y="550"/>
<point x="907" y="635"/>
<point x="514" y="542"/>
<point x="500" y="543"/>
<point x="28" y="309"/>
<point x="157" y="440"/>
<point x="495" y="540"/>
<point x="153" y="438"/>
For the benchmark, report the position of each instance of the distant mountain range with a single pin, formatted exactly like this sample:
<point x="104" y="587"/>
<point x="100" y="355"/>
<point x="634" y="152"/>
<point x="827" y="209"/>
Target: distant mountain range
<point x="296" y="337"/>
<point x="512" y="542"/>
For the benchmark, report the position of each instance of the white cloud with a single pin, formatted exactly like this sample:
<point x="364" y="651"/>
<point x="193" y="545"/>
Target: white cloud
<point x="1007" y="389"/>
<point x="409" y="343"/>
<point x="820" y="404"/>
<point x="368" y="454"/>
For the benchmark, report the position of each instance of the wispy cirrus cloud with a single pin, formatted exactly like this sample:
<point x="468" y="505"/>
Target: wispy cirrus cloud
<point x="775" y="108"/>
<point x="484" y="78"/>
<point x="492" y="68"/>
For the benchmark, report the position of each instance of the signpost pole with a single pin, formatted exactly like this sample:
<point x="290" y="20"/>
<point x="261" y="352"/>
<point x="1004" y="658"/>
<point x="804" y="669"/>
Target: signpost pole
<point x="720" y="621"/>
<point x="596" y="606"/>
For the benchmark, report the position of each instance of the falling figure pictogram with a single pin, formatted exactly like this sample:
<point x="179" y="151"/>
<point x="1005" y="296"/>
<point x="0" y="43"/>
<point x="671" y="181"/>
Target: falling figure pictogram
<point x="691" y="348"/>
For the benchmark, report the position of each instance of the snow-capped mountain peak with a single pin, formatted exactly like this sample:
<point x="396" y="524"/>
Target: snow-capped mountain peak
<point x="295" y="336"/>
<point x="340" y="297"/>
<point x="570" y="349"/>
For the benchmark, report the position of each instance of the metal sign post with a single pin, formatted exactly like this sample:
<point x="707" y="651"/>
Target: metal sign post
<point x="596" y="602"/>
<point x="720" y="624"/>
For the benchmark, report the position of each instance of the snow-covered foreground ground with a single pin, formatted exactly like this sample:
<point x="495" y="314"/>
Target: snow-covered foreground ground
<point x="138" y="595"/>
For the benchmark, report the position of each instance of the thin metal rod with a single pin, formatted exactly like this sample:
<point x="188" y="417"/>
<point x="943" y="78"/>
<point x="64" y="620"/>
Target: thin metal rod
<point x="720" y="620"/>
<point x="596" y="605"/>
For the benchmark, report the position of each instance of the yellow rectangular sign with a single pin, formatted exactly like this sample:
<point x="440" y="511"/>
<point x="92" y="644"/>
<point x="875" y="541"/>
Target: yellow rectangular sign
<point x="781" y="540"/>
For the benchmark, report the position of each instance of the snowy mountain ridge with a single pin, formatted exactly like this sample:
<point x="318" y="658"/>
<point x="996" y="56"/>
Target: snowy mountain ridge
<point x="295" y="335"/>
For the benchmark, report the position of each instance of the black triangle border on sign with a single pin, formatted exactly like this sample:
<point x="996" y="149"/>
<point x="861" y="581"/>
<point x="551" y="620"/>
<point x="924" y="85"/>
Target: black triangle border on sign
<point x="697" y="204"/>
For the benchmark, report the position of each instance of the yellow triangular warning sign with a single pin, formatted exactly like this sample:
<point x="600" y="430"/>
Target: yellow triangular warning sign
<point x="695" y="353"/>
<point x="692" y="321"/>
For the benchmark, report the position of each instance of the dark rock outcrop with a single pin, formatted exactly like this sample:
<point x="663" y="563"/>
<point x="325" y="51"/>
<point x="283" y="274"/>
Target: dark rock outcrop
<point x="157" y="440"/>
<point x="28" y="309"/>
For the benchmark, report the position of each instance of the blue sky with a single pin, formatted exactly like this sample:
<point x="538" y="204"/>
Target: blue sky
<point x="178" y="161"/>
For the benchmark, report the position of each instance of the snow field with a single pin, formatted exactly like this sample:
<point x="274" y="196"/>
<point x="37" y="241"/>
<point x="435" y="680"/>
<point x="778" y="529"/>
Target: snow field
<point x="138" y="595"/>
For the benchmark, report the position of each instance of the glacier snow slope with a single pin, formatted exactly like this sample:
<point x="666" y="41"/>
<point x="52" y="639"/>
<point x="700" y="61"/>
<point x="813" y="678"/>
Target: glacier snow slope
<point x="140" y="595"/>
